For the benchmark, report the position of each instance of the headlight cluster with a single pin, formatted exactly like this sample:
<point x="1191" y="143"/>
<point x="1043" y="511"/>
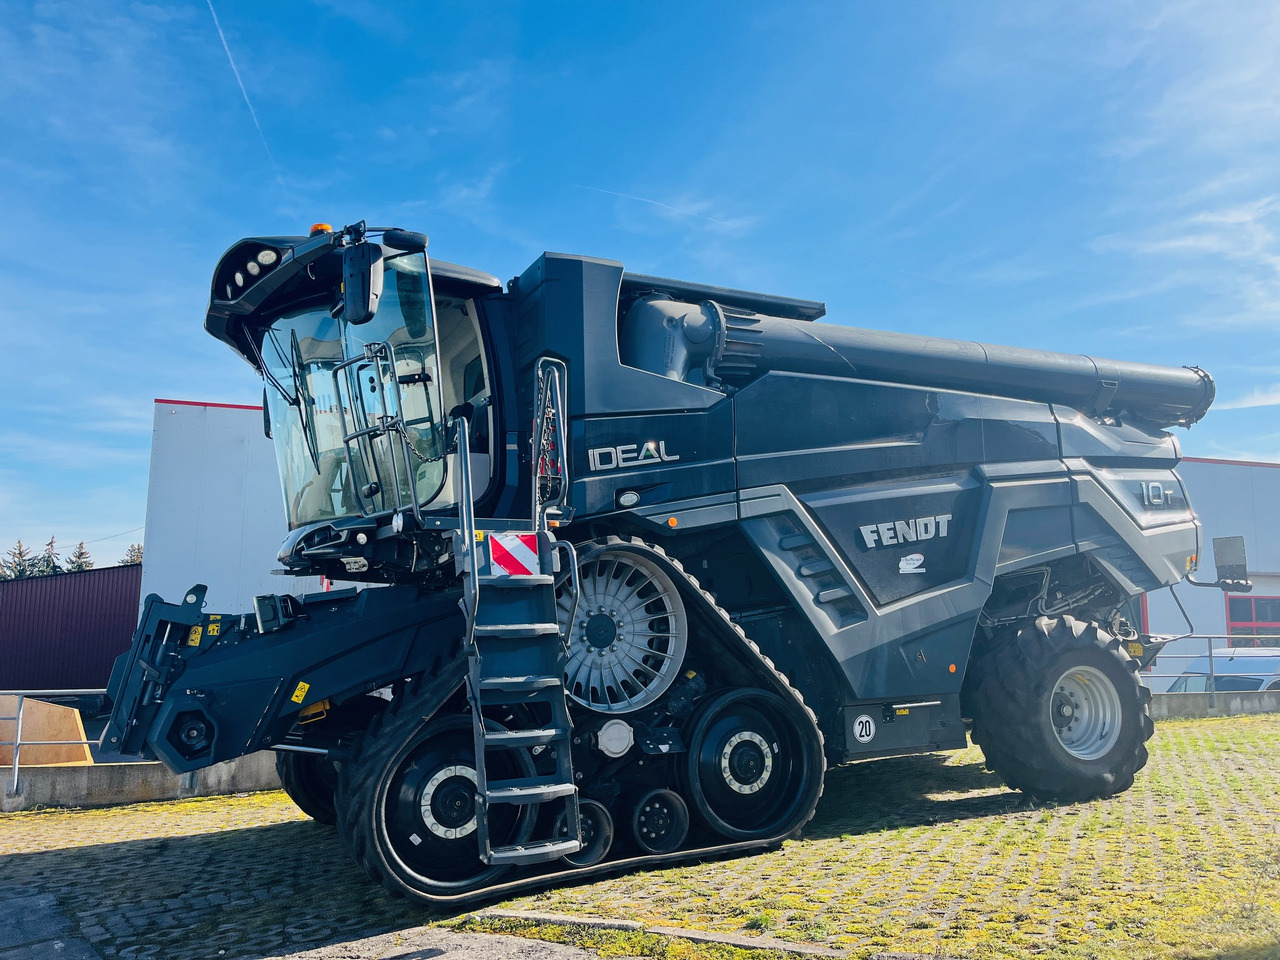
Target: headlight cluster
<point x="258" y="264"/>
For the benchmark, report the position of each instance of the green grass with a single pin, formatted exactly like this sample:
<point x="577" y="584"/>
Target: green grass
<point x="933" y="856"/>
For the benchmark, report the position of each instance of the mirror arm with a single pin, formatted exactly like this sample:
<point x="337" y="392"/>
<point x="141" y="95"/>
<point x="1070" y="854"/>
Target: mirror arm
<point x="1226" y="586"/>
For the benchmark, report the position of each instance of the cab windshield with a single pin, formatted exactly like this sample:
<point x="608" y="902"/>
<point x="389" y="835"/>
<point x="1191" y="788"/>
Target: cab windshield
<point x="355" y="409"/>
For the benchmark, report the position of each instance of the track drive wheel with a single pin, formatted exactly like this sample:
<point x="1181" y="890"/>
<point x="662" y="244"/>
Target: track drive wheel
<point x="753" y="770"/>
<point x="1059" y="710"/>
<point x="408" y="803"/>
<point x="628" y="641"/>
<point x="310" y="781"/>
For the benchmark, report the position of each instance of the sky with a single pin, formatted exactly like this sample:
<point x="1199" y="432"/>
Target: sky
<point x="1099" y="179"/>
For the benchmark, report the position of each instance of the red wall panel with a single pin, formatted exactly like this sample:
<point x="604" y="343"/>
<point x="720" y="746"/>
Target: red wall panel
<point x="64" y="631"/>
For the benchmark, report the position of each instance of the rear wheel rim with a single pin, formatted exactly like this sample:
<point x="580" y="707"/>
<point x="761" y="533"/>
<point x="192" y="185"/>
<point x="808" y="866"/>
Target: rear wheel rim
<point x="1086" y="713"/>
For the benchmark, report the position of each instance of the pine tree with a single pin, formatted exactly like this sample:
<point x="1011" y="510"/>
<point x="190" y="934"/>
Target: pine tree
<point x="48" y="562"/>
<point x="79" y="559"/>
<point x="18" y="562"/>
<point x="133" y="554"/>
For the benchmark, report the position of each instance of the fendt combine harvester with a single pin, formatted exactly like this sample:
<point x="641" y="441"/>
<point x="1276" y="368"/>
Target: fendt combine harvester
<point x="653" y="555"/>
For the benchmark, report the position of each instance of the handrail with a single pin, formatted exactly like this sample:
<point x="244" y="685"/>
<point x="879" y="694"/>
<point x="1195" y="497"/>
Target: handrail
<point x="18" y="743"/>
<point x="549" y="406"/>
<point x="467" y="512"/>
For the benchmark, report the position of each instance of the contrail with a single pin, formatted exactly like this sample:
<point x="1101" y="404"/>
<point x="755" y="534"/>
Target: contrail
<point x="658" y="203"/>
<point x="243" y="92"/>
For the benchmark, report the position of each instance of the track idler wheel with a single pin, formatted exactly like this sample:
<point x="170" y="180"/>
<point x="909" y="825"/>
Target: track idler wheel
<point x="660" y="821"/>
<point x="751" y="768"/>
<point x="597" y="833"/>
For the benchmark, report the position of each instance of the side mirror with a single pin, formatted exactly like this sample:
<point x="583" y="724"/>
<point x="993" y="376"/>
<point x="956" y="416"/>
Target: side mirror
<point x="361" y="281"/>
<point x="1231" y="563"/>
<point x="406" y="240"/>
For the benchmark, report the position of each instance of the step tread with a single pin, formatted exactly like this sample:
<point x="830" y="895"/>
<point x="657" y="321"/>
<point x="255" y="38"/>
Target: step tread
<point x="523" y="684"/>
<point x="537" y="790"/>
<point x="518" y="580"/>
<point x="525" y="738"/>
<point x="516" y="629"/>
<point x="834" y="593"/>
<point x="536" y="851"/>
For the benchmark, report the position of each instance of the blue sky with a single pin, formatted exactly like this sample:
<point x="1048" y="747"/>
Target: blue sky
<point x="1103" y="180"/>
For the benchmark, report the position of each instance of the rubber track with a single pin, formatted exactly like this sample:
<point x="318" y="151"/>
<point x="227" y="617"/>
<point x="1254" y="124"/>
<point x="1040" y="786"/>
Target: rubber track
<point x="374" y="748"/>
<point x="1009" y="685"/>
<point x="388" y="732"/>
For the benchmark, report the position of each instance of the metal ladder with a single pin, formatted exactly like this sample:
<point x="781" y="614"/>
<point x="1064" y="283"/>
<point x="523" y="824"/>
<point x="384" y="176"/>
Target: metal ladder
<point x="516" y="650"/>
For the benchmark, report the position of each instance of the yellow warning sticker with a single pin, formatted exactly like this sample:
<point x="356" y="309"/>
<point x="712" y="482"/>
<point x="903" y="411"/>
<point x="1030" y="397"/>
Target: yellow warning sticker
<point x="193" y="637"/>
<point x="902" y="712"/>
<point x="214" y="616"/>
<point x="1136" y="649"/>
<point x="213" y="629"/>
<point x="300" y="693"/>
<point x="479" y="535"/>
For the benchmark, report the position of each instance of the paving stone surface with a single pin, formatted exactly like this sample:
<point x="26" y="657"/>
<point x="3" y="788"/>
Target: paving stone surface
<point x="222" y="878"/>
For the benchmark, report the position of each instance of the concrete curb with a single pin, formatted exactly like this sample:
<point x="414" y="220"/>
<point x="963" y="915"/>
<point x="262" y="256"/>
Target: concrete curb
<point x="696" y="936"/>
<point x="1195" y="706"/>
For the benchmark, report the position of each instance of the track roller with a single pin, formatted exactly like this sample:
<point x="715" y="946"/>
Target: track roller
<point x="660" y="821"/>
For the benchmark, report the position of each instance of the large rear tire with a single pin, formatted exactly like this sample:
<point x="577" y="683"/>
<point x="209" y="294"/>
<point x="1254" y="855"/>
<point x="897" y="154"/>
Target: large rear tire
<point x="1059" y="711"/>
<point x="310" y="781"/>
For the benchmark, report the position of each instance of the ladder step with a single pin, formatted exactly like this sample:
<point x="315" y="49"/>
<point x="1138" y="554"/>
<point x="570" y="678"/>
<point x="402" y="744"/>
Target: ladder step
<point x="538" y="851"/>
<point x="519" y="580"/>
<point x="528" y="791"/>
<point x="834" y="593"/>
<point x="794" y="541"/>
<point x="516" y="629"/>
<point x="524" y="738"/>
<point x="520" y="684"/>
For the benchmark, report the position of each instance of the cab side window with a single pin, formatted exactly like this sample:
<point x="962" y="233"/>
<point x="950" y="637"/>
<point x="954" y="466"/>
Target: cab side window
<point x="465" y="376"/>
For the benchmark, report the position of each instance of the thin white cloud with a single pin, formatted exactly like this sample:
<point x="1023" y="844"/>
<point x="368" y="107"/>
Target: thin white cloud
<point x="1260" y="397"/>
<point x="245" y="93"/>
<point x="684" y="208"/>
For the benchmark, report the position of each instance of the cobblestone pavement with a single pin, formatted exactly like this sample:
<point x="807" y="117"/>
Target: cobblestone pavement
<point x="224" y="878"/>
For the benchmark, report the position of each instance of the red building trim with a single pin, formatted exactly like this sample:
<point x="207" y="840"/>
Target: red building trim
<point x="200" y="403"/>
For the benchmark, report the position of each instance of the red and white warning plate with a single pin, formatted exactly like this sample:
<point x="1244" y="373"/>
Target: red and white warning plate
<point x="513" y="554"/>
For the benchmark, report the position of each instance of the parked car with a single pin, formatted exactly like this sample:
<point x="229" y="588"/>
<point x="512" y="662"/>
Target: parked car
<point x="1234" y="669"/>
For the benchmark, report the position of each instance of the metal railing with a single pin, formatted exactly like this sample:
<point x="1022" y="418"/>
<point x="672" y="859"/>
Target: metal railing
<point x="1212" y="675"/>
<point x="18" y="742"/>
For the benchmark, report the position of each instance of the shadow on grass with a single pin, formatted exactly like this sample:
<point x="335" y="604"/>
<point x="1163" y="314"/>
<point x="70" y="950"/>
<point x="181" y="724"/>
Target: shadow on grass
<point x="249" y="893"/>
<point x="889" y="794"/>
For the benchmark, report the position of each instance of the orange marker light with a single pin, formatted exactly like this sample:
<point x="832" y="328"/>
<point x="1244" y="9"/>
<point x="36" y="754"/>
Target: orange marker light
<point x="318" y="228"/>
<point x="672" y="521"/>
<point x="952" y="668"/>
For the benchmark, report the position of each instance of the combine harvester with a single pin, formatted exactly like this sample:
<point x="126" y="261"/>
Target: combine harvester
<point x="655" y="554"/>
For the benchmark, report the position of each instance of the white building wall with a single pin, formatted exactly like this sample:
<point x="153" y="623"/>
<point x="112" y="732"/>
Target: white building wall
<point x="1232" y="499"/>
<point x="215" y="513"/>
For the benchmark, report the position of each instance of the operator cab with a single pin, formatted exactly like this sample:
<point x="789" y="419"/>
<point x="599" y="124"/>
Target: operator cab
<point x="362" y="366"/>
